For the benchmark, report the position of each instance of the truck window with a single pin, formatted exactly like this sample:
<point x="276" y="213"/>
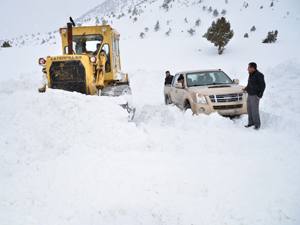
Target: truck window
<point x="207" y="78"/>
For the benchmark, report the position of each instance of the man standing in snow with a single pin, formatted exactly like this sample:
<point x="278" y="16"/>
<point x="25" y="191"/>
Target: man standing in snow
<point x="169" y="78"/>
<point x="255" y="89"/>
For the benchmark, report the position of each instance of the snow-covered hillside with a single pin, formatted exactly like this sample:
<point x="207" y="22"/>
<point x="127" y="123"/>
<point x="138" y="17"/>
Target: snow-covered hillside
<point x="68" y="158"/>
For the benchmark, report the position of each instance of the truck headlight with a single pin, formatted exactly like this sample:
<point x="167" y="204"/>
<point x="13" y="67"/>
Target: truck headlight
<point x="200" y="98"/>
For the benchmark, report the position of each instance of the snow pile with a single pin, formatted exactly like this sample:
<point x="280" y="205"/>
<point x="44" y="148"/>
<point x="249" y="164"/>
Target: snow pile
<point x="68" y="158"/>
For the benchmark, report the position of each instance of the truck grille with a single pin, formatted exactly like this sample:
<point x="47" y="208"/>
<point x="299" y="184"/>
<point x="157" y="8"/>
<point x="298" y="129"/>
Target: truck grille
<point x="236" y="97"/>
<point x="68" y="76"/>
<point x="228" y="106"/>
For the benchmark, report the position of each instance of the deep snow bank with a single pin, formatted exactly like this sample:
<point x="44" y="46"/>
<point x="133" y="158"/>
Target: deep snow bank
<point x="67" y="158"/>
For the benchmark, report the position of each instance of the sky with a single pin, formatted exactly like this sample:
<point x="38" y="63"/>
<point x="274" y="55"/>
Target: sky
<point x="19" y="17"/>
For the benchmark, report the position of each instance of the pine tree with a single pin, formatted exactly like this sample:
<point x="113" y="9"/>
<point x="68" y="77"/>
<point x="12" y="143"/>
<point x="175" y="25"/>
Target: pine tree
<point x="253" y="28"/>
<point x="104" y="22"/>
<point x="197" y="22"/>
<point x="156" y="27"/>
<point x="215" y="13"/>
<point x="165" y="4"/>
<point x="5" y="44"/>
<point x="97" y="21"/>
<point x="246" y="35"/>
<point x="142" y="35"/>
<point x="219" y="34"/>
<point x="134" y="12"/>
<point x="272" y="37"/>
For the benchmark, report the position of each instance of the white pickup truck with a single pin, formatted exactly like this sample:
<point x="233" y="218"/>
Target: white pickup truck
<point x="207" y="91"/>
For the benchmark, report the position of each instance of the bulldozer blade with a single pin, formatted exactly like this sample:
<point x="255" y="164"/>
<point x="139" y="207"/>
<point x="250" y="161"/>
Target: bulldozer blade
<point x="119" y="90"/>
<point x="116" y="90"/>
<point x="130" y="110"/>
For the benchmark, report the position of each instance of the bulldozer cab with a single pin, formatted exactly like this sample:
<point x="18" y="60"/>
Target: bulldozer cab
<point x="90" y="62"/>
<point x="95" y="40"/>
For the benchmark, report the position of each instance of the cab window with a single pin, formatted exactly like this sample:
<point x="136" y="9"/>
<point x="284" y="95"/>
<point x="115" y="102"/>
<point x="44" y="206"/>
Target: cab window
<point x="85" y="43"/>
<point x="105" y="48"/>
<point x="113" y="43"/>
<point x="114" y="61"/>
<point x="117" y="47"/>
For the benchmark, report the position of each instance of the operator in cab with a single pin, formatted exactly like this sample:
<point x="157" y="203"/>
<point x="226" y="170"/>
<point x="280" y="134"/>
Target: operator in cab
<point x="97" y="49"/>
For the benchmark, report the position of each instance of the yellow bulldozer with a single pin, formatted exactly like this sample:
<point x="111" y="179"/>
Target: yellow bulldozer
<point x="90" y="63"/>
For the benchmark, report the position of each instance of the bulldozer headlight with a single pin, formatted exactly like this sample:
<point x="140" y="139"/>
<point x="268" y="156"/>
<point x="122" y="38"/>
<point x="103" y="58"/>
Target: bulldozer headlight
<point x="103" y="29"/>
<point x="93" y="59"/>
<point x="42" y="62"/>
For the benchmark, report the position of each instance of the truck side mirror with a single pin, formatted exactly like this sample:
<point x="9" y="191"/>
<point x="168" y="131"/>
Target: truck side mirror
<point x="236" y="81"/>
<point x="178" y="85"/>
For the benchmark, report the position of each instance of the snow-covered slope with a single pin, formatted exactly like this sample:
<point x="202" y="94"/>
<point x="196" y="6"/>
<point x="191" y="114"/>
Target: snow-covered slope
<point x="67" y="158"/>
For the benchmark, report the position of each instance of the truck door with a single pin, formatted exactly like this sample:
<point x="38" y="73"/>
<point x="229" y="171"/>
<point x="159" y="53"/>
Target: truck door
<point x="177" y="93"/>
<point x="173" y="89"/>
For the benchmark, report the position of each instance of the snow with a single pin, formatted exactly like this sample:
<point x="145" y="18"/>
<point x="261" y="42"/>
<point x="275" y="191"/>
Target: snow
<point x="68" y="158"/>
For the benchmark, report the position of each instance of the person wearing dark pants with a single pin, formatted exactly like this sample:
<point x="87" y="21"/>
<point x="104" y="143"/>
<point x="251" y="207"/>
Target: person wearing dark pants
<point x="255" y="89"/>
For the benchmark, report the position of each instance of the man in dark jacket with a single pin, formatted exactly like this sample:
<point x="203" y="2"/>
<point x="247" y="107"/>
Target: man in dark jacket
<point x="169" y="78"/>
<point x="255" y="89"/>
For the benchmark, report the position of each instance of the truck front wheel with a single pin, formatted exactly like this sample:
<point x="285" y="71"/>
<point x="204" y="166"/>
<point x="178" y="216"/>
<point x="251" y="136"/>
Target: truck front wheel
<point x="187" y="106"/>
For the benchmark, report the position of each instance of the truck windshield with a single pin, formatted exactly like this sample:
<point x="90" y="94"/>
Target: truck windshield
<point x="207" y="78"/>
<point x="86" y="43"/>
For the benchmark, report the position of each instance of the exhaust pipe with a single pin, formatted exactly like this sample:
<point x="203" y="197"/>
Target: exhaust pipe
<point x="70" y="39"/>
